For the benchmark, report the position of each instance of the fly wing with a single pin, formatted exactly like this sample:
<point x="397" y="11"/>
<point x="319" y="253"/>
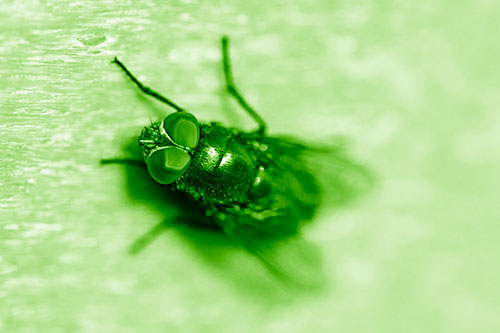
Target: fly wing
<point x="340" y="177"/>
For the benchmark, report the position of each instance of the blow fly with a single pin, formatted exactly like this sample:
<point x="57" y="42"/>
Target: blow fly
<point x="256" y="188"/>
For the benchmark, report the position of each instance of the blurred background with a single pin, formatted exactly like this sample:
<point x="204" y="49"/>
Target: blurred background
<point x="413" y="87"/>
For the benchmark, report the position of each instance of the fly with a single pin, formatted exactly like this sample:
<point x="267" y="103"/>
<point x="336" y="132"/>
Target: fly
<point x="256" y="188"/>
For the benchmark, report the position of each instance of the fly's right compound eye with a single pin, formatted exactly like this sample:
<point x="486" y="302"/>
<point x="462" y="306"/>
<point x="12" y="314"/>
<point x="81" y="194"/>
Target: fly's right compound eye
<point x="183" y="129"/>
<point x="168" y="164"/>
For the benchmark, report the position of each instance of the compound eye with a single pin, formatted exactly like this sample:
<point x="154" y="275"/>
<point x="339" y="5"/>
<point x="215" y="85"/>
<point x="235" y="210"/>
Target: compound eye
<point x="168" y="164"/>
<point x="183" y="129"/>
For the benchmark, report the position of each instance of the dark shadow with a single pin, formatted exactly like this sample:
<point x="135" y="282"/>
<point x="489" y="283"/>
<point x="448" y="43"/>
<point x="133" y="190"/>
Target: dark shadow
<point x="249" y="272"/>
<point x="222" y="256"/>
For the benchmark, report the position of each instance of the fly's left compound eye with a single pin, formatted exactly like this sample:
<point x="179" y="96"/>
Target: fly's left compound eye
<point x="183" y="129"/>
<point x="168" y="164"/>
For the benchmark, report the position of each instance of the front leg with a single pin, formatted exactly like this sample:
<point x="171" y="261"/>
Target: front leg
<point x="126" y="161"/>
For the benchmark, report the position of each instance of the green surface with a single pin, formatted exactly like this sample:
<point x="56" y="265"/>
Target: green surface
<point x="413" y="85"/>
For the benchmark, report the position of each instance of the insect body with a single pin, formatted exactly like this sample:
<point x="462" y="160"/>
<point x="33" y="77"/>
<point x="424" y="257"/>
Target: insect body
<point x="240" y="179"/>
<point x="250" y="185"/>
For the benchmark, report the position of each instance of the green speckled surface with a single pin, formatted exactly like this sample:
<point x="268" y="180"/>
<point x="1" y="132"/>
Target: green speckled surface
<point x="414" y="86"/>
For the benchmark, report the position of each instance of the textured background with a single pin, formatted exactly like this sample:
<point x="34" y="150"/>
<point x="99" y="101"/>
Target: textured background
<point x="413" y="85"/>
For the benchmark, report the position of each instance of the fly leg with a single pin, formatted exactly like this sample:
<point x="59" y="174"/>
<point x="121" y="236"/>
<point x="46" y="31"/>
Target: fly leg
<point x="146" y="90"/>
<point x="126" y="161"/>
<point x="147" y="238"/>
<point x="231" y="86"/>
<point x="152" y="234"/>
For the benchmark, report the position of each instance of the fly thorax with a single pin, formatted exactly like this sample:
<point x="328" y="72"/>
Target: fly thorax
<point x="223" y="168"/>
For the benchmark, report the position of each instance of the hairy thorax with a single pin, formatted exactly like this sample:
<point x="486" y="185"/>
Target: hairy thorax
<point x="223" y="168"/>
